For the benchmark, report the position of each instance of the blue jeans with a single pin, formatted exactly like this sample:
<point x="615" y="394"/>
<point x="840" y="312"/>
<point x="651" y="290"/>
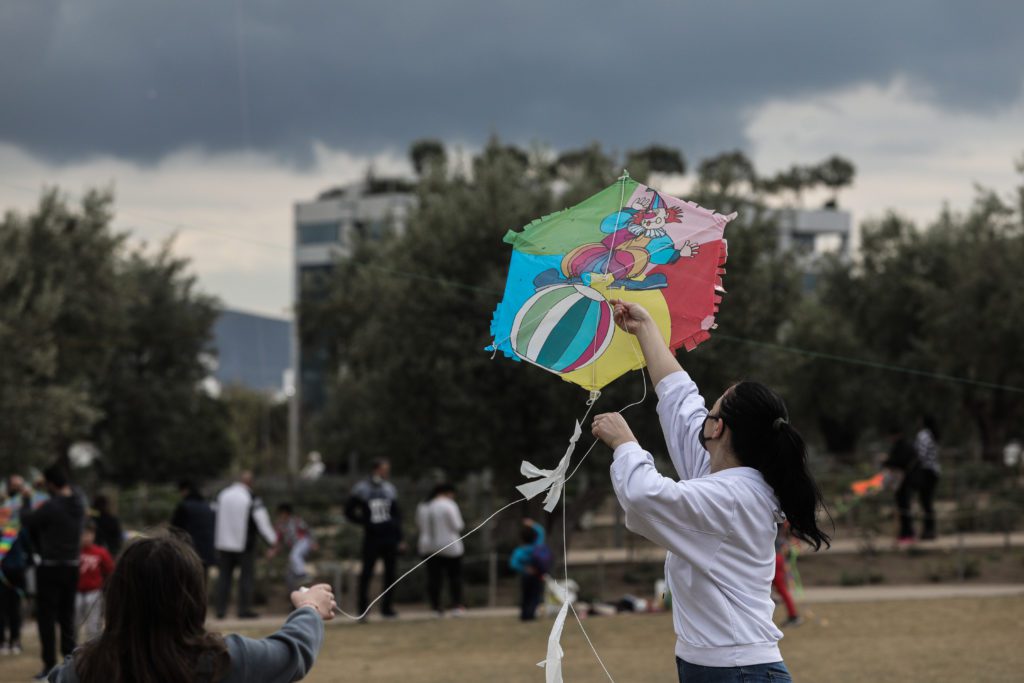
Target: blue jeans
<point x="754" y="673"/>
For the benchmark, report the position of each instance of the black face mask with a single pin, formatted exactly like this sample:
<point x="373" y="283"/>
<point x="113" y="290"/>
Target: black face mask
<point x="700" y="435"/>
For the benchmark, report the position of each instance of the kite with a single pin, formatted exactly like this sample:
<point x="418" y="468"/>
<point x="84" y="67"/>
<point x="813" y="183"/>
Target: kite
<point x="873" y="484"/>
<point x="627" y="242"/>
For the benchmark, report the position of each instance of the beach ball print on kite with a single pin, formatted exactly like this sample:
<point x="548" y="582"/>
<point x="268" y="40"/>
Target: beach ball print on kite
<point x="627" y="242"/>
<point x="563" y="327"/>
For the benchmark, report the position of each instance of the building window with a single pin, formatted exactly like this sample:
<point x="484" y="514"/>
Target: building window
<point x="371" y="229"/>
<point x="319" y="233"/>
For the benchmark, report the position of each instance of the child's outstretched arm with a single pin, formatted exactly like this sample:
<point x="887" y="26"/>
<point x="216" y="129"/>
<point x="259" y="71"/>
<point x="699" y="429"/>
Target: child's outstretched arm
<point x="680" y="406"/>
<point x="635" y="319"/>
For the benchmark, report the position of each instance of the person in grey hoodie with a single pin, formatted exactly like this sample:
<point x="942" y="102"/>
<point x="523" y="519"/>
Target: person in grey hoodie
<point x="155" y="632"/>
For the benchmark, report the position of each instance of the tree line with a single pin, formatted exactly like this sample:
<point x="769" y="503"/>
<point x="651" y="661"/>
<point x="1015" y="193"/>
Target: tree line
<point x="106" y="344"/>
<point x="103" y="344"/>
<point x="926" y="319"/>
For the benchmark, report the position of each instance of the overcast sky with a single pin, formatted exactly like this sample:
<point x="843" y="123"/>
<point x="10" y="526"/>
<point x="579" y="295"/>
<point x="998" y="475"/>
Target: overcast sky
<point x="213" y="117"/>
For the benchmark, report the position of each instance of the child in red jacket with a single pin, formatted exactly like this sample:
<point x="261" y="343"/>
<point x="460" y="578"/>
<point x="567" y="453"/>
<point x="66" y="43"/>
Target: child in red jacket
<point x="95" y="565"/>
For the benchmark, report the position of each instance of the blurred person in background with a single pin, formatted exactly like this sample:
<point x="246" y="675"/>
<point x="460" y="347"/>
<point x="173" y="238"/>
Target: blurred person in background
<point x="903" y="462"/>
<point x="532" y="560"/>
<point x="55" y="529"/>
<point x="440" y="523"/>
<point x="18" y="490"/>
<point x="373" y="505"/>
<point x="15" y="559"/>
<point x="926" y="445"/>
<point x="109" y="533"/>
<point x="241" y="517"/>
<point x="781" y="581"/>
<point x="293" y="534"/>
<point x="195" y="516"/>
<point x="14" y="489"/>
<point x="95" y="565"/>
<point x="314" y="467"/>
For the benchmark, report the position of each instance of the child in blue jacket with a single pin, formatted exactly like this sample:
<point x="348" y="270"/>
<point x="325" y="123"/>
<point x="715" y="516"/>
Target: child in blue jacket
<point x="532" y="561"/>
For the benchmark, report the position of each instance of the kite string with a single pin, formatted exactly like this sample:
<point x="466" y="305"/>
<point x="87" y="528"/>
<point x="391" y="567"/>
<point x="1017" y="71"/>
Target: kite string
<point x="618" y="216"/>
<point x="643" y="398"/>
<point x="426" y="559"/>
<point x="590" y="406"/>
<point x="611" y="249"/>
<point x="565" y="498"/>
<point x="565" y="594"/>
<point x="565" y="544"/>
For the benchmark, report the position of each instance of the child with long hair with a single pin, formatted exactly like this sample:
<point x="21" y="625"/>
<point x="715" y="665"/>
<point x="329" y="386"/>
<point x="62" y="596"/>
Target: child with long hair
<point x="742" y="470"/>
<point x="155" y="632"/>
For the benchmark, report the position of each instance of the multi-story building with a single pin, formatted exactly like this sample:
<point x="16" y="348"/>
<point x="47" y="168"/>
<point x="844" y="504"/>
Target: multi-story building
<point x="813" y="231"/>
<point x="325" y="230"/>
<point x="252" y="351"/>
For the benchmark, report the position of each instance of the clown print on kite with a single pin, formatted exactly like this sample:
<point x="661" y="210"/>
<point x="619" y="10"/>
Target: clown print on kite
<point x="627" y="242"/>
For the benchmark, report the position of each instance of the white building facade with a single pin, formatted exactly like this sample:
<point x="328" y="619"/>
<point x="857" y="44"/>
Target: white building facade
<point x="326" y="229"/>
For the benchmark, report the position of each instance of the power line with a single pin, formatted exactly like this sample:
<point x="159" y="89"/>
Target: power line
<point x="871" y="364"/>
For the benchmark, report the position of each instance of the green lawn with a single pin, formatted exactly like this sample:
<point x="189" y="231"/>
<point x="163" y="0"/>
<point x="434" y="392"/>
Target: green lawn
<point x="939" y="640"/>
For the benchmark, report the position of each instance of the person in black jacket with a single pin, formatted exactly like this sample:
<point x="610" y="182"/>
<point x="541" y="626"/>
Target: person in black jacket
<point x="373" y="504"/>
<point x="55" y="528"/>
<point x="109" y="533"/>
<point x="903" y="459"/>
<point x="195" y="516"/>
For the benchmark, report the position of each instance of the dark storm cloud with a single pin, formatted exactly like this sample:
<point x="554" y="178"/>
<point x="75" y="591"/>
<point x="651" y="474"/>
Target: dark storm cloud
<point x="140" y="79"/>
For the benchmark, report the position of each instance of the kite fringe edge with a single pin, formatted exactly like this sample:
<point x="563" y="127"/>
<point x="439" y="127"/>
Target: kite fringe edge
<point x="694" y="340"/>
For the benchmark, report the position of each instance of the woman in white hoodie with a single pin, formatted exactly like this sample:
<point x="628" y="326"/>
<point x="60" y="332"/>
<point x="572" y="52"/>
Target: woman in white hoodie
<point x="742" y="470"/>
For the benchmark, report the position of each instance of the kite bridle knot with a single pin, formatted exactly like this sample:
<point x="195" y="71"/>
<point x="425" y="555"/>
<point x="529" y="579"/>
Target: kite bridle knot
<point x="594" y="395"/>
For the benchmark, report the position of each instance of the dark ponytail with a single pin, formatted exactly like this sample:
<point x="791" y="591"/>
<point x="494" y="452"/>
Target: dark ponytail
<point x="762" y="438"/>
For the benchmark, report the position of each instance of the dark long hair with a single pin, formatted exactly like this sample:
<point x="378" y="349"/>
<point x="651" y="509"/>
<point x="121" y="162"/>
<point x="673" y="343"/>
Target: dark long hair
<point x="762" y="438"/>
<point x="155" y="604"/>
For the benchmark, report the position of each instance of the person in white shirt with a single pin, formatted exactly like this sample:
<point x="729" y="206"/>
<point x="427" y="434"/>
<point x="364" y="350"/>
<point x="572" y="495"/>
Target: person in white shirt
<point x="441" y="525"/>
<point x="742" y="470"/>
<point x="240" y="516"/>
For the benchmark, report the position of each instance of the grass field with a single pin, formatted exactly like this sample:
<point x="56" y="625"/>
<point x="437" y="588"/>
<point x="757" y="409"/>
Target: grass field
<point x="974" y="640"/>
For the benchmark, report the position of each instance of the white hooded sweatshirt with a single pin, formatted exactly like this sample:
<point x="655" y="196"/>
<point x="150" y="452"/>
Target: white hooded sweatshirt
<point x="235" y="505"/>
<point x="719" y="530"/>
